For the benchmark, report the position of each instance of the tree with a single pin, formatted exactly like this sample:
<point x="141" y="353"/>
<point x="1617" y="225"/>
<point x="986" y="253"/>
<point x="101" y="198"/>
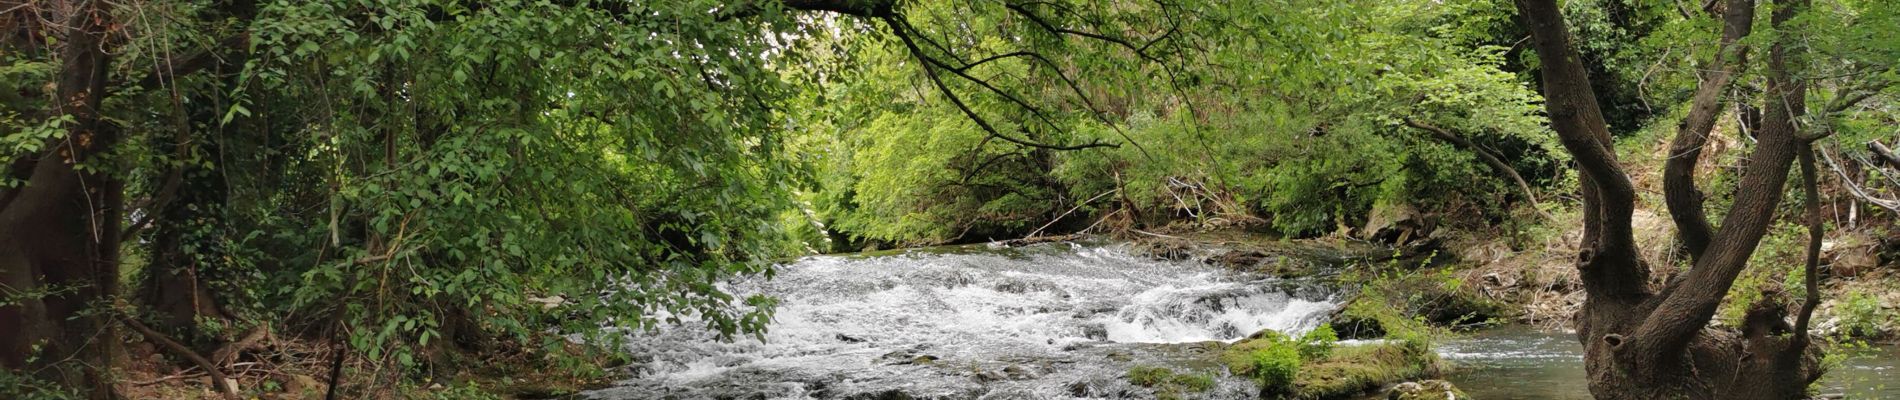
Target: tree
<point x="407" y="174"/>
<point x="1644" y="343"/>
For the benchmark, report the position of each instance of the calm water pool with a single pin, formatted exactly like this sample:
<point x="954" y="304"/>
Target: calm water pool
<point x="1517" y="362"/>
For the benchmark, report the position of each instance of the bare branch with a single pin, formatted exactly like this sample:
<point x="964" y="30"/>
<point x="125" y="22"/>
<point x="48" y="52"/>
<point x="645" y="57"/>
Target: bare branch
<point x="1859" y="192"/>
<point x="217" y="377"/>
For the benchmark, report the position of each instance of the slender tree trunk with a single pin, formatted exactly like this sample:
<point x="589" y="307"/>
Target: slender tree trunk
<point x="59" y="235"/>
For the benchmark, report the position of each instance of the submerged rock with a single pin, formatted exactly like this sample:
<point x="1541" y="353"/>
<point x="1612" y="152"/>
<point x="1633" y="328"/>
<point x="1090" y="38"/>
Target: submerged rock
<point x="1425" y="390"/>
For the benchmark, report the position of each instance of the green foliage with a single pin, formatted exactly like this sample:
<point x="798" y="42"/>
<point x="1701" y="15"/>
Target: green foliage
<point x="14" y="385"/>
<point x="1862" y="315"/>
<point x="1274" y="367"/>
<point x="463" y="390"/>
<point x="1318" y="343"/>
<point x="1273" y="359"/>
<point x="1309" y="148"/>
<point x="1776" y="268"/>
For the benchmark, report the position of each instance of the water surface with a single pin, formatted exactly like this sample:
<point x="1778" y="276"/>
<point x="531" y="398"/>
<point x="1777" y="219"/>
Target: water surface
<point x="1517" y="362"/>
<point x="1058" y="320"/>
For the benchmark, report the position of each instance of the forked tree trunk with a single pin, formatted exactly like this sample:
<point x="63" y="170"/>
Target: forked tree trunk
<point x="59" y="234"/>
<point x="1656" y="344"/>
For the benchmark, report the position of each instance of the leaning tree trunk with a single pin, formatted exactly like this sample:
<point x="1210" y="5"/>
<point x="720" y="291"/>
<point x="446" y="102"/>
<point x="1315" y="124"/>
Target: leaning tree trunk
<point x="1642" y="343"/>
<point x="59" y="234"/>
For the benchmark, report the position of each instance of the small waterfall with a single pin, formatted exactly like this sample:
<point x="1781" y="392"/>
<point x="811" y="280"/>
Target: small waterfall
<point x="1044" y="321"/>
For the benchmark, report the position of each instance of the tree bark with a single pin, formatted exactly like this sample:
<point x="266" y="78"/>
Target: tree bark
<point x="59" y="235"/>
<point x="1685" y="202"/>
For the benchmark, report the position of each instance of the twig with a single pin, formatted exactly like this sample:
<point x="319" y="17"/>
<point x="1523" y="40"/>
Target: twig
<point x="1066" y="213"/>
<point x="1156" y="234"/>
<point x="1889" y="204"/>
<point x="186" y="374"/>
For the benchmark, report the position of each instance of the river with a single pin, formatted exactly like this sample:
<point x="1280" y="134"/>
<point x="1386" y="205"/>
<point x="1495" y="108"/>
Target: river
<point x="1058" y="320"/>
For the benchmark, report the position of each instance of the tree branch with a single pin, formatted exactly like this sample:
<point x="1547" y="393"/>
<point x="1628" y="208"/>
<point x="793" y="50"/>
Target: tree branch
<point x="1684" y="200"/>
<point x="1140" y="51"/>
<point x="1886" y="155"/>
<point x="930" y="71"/>
<point x="1678" y="318"/>
<point x="1496" y="164"/>
<point x="1859" y="192"/>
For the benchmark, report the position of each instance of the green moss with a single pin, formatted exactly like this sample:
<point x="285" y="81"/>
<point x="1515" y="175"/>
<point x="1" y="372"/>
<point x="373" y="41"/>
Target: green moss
<point x="1354" y="370"/>
<point x="1168" y="384"/>
<point x="1146" y="376"/>
<point x="1314" y="367"/>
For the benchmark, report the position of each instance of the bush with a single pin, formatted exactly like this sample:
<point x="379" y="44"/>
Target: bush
<point x="1318" y="343"/>
<point x="1862" y="315"/>
<point x="1273" y="360"/>
<point x="1275" y="367"/>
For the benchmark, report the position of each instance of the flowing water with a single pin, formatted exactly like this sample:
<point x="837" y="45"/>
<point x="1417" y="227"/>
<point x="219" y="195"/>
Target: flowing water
<point x="1053" y="320"/>
<point x="1060" y="320"/>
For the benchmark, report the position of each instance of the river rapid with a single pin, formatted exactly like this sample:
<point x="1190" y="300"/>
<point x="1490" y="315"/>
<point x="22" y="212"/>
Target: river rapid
<point x="1051" y="321"/>
<point x="1057" y="320"/>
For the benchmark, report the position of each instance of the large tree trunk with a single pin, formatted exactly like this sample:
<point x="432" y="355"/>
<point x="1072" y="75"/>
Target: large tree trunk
<point x="59" y="235"/>
<point x="1646" y="344"/>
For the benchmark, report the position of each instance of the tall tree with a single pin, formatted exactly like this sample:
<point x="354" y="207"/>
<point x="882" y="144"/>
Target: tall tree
<point x="1647" y="343"/>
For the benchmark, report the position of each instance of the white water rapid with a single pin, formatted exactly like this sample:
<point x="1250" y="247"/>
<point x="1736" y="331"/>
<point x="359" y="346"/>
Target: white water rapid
<point x="1058" y="320"/>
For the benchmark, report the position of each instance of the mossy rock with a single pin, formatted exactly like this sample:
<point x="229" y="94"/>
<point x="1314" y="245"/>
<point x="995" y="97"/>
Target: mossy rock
<point x="1168" y="384"/>
<point x="1239" y="358"/>
<point x="1356" y="370"/>
<point x="1341" y="373"/>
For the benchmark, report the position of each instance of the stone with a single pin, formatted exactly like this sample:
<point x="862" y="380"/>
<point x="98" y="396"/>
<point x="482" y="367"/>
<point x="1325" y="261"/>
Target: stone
<point x="1425" y="390"/>
<point x="1396" y="224"/>
<point x="303" y="387"/>
<point x="1017" y="372"/>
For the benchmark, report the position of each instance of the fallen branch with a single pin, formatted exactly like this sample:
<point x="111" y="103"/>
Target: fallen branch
<point x="1889" y="204"/>
<point x="1886" y="155"/>
<point x="227" y="354"/>
<point x="186" y="374"/>
<point x="217" y="378"/>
